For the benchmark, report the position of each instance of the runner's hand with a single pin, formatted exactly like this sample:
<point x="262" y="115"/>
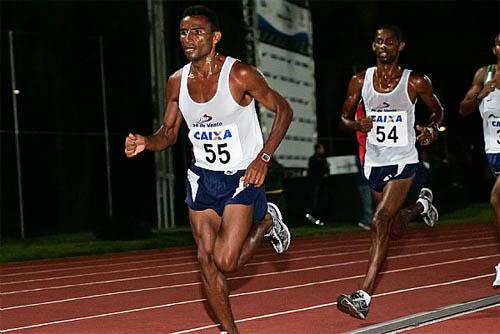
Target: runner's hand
<point x="364" y="124"/>
<point x="255" y="173"/>
<point x="134" y="144"/>
<point x="488" y="87"/>
<point x="427" y="135"/>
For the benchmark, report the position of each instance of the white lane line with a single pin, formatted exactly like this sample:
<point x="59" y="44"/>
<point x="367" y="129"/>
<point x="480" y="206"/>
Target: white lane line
<point x="250" y="264"/>
<point x="83" y="259"/>
<point x="249" y="276"/>
<point x="258" y="275"/>
<point x="315" y="250"/>
<point x="236" y="295"/>
<point x="99" y="273"/>
<point x="114" y="257"/>
<point x="335" y="303"/>
<point x="338" y="243"/>
<point x="98" y="266"/>
<point x="443" y="319"/>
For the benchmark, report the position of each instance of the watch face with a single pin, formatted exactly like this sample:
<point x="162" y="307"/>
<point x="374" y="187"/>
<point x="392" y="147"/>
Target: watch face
<point x="266" y="157"/>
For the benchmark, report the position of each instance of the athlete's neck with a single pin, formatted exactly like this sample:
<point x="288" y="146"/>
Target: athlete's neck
<point x="206" y="67"/>
<point x="386" y="77"/>
<point x="388" y="71"/>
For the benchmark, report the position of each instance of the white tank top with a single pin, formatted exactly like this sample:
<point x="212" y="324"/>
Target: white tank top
<point x="225" y="135"/>
<point x="391" y="141"/>
<point x="490" y="112"/>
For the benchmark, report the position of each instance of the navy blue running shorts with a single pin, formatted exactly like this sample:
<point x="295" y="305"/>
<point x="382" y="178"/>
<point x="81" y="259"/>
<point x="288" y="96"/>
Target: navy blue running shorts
<point x="207" y="189"/>
<point x="494" y="161"/>
<point x="379" y="176"/>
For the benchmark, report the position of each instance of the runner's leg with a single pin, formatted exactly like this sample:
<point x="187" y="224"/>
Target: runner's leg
<point x="404" y="216"/>
<point x="390" y="202"/>
<point x="495" y="204"/>
<point x="254" y="239"/>
<point x="219" y="245"/>
<point x="236" y="230"/>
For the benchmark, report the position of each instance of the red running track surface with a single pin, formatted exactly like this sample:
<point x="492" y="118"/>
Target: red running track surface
<point x="159" y="291"/>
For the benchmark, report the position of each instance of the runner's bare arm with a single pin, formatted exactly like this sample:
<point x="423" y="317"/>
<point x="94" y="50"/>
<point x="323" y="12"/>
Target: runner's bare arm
<point x="475" y="93"/>
<point x="420" y="85"/>
<point x="350" y="104"/>
<point x="166" y="135"/>
<point x="255" y="85"/>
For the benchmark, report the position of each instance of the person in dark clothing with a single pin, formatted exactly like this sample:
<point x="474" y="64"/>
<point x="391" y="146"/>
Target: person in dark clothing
<point x="318" y="171"/>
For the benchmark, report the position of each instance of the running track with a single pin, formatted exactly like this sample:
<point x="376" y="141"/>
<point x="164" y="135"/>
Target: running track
<point x="159" y="291"/>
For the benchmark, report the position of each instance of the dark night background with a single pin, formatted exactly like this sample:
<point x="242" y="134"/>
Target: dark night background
<point x="60" y="105"/>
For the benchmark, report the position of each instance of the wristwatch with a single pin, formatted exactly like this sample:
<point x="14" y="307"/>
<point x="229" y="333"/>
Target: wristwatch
<point x="265" y="157"/>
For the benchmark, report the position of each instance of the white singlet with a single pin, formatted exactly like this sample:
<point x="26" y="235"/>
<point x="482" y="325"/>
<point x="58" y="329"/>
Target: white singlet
<point x="490" y="112"/>
<point x="391" y="141"/>
<point x="225" y="135"/>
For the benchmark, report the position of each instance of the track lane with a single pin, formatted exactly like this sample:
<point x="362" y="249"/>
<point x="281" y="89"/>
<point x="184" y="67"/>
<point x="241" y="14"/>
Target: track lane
<point x="241" y="284"/>
<point x="286" y="294"/>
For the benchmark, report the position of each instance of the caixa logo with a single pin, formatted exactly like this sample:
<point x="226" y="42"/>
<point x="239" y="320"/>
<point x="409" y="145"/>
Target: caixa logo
<point x="496" y="120"/>
<point x="213" y="135"/>
<point x="387" y="118"/>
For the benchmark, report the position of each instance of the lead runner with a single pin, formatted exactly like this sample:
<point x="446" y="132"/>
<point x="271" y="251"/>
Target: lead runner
<point x="228" y="210"/>
<point x="391" y="163"/>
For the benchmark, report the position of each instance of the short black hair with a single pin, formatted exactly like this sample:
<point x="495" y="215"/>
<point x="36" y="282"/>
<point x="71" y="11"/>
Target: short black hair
<point x="317" y="146"/>
<point x="201" y="10"/>
<point x="392" y="27"/>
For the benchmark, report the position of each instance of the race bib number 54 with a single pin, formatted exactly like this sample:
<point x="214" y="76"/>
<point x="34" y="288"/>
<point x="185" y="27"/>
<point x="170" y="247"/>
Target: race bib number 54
<point x="389" y="128"/>
<point x="216" y="148"/>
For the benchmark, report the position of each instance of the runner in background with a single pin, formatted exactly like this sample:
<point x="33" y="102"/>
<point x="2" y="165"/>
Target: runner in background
<point x="484" y="94"/>
<point x="391" y="164"/>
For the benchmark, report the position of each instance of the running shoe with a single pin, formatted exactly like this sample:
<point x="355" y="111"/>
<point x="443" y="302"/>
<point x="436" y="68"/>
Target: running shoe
<point x="355" y="305"/>
<point x="496" y="283"/>
<point x="279" y="235"/>
<point x="431" y="216"/>
<point x="364" y="226"/>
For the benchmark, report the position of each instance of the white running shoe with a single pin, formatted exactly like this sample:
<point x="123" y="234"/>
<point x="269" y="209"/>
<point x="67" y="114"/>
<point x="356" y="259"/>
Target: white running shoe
<point x="431" y="216"/>
<point x="279" y="235"/>
<point x="497" y="279"/>
<point x="364" y="226"/>
<point x="357" y="304"/>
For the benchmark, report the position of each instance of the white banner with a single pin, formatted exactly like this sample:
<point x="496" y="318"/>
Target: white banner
<point x="284" y="55"/>
<point x="343" y="164"/>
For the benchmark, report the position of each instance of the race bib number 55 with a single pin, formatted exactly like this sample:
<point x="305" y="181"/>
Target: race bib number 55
<point x="389" y="128"/>
<point x="217" y="148"/>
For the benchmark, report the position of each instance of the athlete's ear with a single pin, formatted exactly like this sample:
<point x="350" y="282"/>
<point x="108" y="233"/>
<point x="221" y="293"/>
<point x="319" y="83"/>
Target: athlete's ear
<point x="373" y="46"/>
<point x="401" y="46"/>
<point x="217" y="37"/>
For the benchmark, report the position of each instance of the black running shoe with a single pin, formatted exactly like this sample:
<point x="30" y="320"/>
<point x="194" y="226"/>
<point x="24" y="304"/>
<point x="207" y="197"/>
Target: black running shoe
<point x="355" y="305"/>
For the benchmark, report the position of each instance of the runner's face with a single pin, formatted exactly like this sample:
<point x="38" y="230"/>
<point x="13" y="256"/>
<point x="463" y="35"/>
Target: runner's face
<point x="386" y="46"/>
<point x="197" y="39"/>
<point x="496" y="48"/>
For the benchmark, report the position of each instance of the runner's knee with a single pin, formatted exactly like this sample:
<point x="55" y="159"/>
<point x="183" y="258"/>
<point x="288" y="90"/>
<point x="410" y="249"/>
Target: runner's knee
<point x="495" y="199"/>
<point x="380" y="223"/>
<point x="226" y="262"/>
<point x="225" y="257"/>
<point x="205" y="258"/>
